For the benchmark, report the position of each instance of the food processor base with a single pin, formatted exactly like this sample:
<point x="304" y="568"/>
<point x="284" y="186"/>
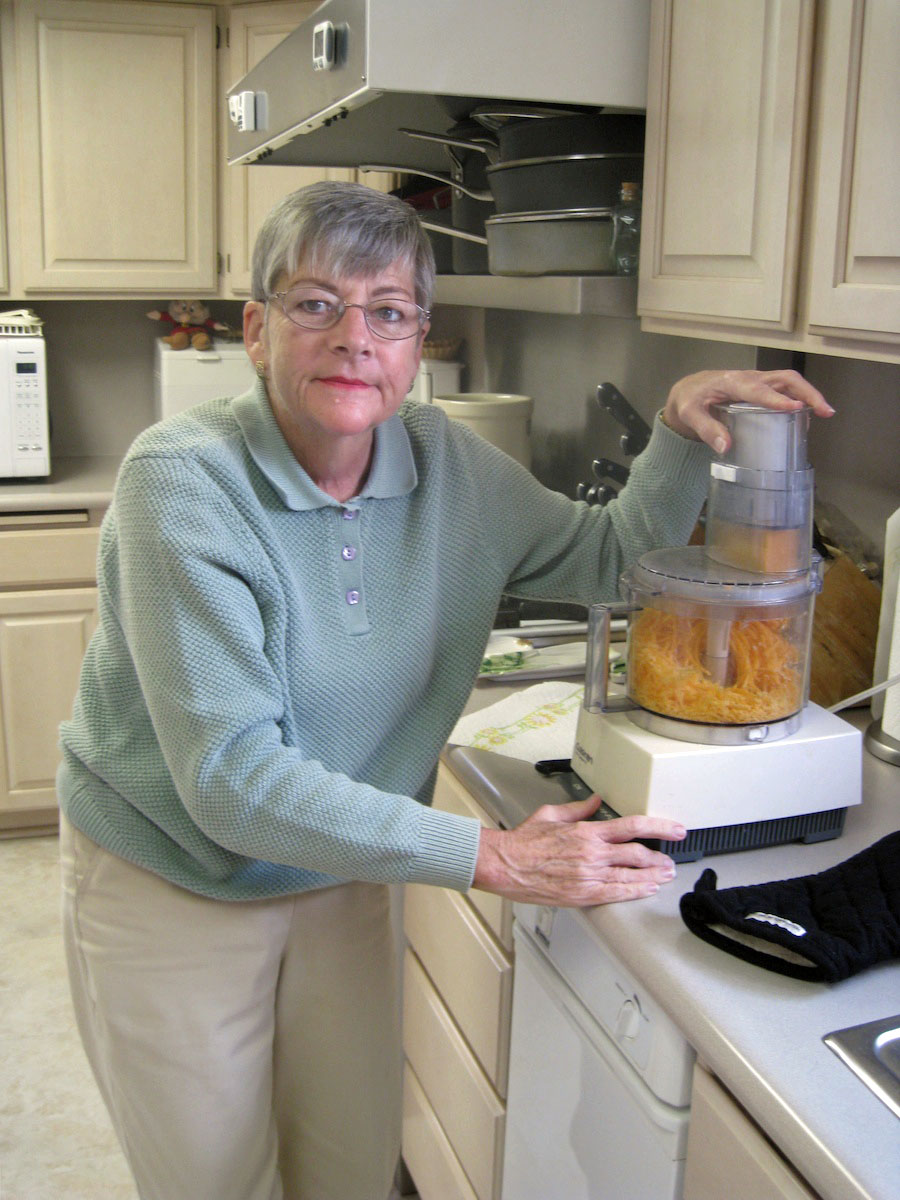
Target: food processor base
<point x="729" y="797"/>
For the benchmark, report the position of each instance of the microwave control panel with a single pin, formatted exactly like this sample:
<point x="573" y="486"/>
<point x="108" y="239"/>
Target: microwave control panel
<point x="24" y="423"/>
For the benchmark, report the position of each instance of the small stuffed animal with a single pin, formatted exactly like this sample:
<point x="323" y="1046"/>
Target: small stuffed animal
<point x="190" y="323"/>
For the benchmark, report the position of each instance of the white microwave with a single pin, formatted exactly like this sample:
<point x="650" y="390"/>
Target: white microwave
<point x="24" y="420"/>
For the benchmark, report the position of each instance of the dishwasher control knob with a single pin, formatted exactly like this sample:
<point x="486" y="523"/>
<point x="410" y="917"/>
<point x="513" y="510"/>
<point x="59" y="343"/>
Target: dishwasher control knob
<point x="628" y="1020"/>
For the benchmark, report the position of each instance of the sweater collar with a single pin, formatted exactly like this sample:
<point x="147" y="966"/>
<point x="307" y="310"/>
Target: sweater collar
<point x="393" y="470"/>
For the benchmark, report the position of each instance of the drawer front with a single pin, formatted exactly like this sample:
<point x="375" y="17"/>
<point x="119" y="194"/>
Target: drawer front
<point x="450" y="795"/>
<point x="33" y="558"/>
<point x="426" y="1151"/>
<point x="467" y="1107"/>
<point x="470" y="970"/>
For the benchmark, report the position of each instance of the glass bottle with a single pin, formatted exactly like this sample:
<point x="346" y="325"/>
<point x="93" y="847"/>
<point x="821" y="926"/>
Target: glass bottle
<point x="627" y="229"/>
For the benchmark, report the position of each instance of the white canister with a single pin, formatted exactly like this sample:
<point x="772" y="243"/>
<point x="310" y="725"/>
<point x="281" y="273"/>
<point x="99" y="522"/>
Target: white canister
<point x="502" y="419"/>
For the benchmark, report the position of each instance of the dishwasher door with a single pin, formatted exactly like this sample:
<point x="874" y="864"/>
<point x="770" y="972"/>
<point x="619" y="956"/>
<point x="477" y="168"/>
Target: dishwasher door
<point x="581" y="1124"/>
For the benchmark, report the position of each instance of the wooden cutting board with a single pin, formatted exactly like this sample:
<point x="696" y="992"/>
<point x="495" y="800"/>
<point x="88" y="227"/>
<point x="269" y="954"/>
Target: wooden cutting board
<point x="845" y="629"/>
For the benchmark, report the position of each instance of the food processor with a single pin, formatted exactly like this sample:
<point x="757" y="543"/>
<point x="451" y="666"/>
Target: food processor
<point x="715" y="728"/>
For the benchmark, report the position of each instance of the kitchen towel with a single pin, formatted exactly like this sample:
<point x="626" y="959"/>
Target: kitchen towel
<point x="823" y="927"/>
<point x="537" y="722"/>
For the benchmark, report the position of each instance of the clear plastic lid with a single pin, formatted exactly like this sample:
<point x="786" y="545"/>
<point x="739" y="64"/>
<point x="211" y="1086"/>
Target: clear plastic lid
<point x="687" y="572"/>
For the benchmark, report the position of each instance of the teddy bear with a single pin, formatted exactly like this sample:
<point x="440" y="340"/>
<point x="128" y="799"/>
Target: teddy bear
<point x="191" y="324"/>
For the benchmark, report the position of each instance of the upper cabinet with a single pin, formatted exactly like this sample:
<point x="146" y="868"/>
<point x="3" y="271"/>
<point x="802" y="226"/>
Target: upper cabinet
<point x="4" y="262"/>
<point x="855" y="246"/>
<point x="116" y="147"/>
<point x="771" y="197"/>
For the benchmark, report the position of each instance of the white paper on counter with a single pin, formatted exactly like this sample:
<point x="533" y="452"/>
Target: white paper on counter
<point x="537" y="722"/>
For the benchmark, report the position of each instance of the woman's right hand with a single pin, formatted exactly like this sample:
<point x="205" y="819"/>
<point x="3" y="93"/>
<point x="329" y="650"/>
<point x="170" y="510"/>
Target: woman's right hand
<point x="559" y="857"/>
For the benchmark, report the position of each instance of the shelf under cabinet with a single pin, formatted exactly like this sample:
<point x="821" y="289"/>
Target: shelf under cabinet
<point x="606" y="295"/>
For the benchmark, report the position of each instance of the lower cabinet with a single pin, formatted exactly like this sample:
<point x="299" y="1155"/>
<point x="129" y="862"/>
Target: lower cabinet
<point x="729" y="1155"/>
<point x="44" y="632"/>
<point x="458" y="973"/>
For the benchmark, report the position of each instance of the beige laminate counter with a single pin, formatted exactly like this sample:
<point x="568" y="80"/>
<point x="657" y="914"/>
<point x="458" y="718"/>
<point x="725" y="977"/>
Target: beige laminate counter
<point x="73" y="483"/>
<point x="761" y="1032"/>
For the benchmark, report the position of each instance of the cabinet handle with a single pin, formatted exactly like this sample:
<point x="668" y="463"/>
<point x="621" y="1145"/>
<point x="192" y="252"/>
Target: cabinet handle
<point x="69" y="517"/>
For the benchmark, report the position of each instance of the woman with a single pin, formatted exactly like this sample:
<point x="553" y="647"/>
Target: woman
<point x="296" y="587"/>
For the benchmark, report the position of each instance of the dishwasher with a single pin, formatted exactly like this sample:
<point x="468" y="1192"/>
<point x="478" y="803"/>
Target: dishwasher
<point x="598" y="1101"/>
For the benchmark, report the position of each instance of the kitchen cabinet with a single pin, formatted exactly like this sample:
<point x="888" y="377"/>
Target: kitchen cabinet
<point x="48" y="611"/>
<point x="771" y="198"/>
<point x="116" y="144"/>
<point x="4" y="259"/>
<point x="457" y="996"/>
<point x="728" y="1154"/>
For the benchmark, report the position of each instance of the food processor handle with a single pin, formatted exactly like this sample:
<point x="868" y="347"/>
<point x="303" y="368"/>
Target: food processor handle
<point x="596" y="674"/>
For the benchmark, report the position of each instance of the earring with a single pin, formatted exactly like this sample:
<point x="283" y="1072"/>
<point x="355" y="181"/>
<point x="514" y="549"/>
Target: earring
<point x="261" y="369"/>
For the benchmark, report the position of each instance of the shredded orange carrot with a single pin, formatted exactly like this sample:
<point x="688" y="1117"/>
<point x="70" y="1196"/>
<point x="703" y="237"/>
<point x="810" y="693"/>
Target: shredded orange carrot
<point x="667" y="674"/>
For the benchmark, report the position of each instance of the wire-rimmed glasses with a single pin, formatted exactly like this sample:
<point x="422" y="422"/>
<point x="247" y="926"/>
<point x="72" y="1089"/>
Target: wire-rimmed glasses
<point x="390" y="317"/>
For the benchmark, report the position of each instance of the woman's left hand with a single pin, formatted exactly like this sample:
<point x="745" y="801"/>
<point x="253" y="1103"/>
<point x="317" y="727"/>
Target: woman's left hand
<point x="689" y="409"/>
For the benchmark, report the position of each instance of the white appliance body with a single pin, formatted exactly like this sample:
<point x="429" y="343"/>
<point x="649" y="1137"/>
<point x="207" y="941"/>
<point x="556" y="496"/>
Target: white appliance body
<point x="24" y="420"/>
<point x="599" y="1076"/>
<point x="703" y="786"/>
<point x="183" y="378"/>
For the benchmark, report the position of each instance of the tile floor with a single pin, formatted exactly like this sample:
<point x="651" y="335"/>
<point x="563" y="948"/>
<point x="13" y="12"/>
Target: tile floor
<point x="56" y="1142"/>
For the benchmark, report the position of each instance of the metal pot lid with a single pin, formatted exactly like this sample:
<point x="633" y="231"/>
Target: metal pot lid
<point x="688" y="572"/>
<point x="554" y="214"/>
<point x="494" y="116"/>
<point x="549" y="160"/>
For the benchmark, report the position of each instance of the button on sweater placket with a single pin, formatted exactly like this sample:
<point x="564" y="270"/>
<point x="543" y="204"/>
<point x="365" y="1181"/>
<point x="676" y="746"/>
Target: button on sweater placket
<point x="350" y="571"/>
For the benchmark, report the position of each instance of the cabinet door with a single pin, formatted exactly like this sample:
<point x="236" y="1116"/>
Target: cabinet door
<point x="43" y="637"/>
<point x="724" y="159"/>
<point x="855" y="257"/>
<point x="4" y="261"/>
<point x="727" y="1155"/>
<point x="117" y="139"/>
<point x="254" y="29"/>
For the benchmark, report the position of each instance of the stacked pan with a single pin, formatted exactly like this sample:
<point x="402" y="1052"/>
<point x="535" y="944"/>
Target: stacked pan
<point x="552" y="179"/>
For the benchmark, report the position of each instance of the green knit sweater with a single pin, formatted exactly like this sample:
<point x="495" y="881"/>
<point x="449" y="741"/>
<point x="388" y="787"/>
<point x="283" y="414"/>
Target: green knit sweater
<point x="274" y="673"/>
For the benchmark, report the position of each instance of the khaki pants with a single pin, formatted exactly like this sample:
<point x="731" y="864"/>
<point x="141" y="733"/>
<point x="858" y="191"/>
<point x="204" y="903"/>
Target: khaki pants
<point x="245" y="1051"/>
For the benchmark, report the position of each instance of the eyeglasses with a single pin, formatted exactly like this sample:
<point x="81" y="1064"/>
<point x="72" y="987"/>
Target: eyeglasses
<point x="389" y="317"/>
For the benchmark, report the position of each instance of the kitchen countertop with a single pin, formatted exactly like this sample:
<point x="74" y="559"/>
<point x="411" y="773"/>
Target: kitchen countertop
<point x="760" y="1032"/>
<point x="73" y="483"/>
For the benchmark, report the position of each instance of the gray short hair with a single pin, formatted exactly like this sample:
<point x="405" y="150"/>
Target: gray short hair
<point x="346" y="228"/>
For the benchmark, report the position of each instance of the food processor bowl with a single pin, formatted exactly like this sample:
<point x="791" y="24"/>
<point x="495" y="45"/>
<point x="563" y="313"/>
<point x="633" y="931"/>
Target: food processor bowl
<point x="715" y="654"/>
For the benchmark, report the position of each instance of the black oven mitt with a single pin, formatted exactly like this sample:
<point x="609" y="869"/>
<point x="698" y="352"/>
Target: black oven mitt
<point x="823" y="927"/>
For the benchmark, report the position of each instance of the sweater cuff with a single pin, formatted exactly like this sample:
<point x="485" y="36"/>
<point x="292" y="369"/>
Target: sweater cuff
<point x="448" y="848"/>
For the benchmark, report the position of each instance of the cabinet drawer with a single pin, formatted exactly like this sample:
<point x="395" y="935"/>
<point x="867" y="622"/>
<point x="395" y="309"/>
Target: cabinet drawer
<point x="728" y="1154"/>
<point x="469" y="1110"/>
<point x="472" y="973"/>
<point x="34" y="557"/>
<point x="426" y="1151"/>
<point x="450" y="795"/>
